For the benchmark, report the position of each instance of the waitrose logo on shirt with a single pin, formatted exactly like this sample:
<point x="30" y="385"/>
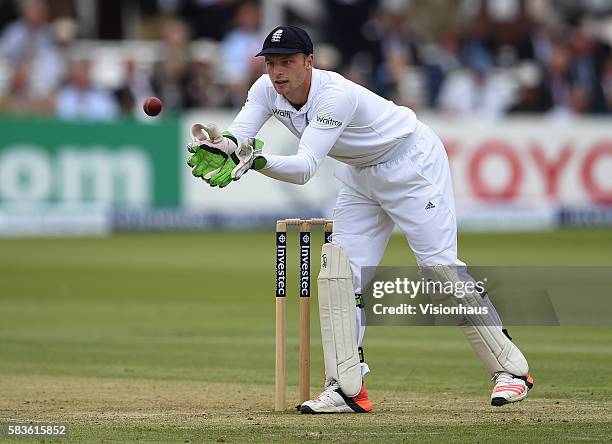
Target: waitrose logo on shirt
<point x="280" y="113"/>
<point x="328" y="121"/>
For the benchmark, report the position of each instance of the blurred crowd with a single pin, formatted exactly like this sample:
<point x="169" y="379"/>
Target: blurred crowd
<point x="486" y="58"/>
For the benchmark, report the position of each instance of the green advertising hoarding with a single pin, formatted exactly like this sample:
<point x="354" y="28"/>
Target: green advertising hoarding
<point x="114" y="165"/>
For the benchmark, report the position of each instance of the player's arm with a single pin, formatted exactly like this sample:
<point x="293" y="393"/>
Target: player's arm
<point x="331" y="118"/>
<point x="254" y="113"/>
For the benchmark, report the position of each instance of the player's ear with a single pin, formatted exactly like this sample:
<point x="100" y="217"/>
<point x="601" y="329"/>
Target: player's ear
<point x="309" y="60"/>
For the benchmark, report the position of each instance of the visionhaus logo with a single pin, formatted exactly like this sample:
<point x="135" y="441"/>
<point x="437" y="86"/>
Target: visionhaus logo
<point x="328" y="121"/>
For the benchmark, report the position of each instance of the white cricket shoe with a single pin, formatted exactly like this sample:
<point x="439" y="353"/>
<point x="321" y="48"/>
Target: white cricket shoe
<point x="510" y="388"/>
<point x="332" y="400"/>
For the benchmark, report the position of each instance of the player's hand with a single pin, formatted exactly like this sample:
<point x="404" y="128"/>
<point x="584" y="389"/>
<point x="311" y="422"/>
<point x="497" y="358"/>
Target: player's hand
<point x="210" y="149"/>
<point x="248" y="155"/>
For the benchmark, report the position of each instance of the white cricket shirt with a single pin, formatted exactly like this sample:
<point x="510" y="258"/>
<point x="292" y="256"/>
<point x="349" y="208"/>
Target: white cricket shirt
<point x="340" y="118"/>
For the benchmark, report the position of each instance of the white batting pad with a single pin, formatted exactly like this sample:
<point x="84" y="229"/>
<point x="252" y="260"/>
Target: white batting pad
<point x="496" y="352"/>
<point x="338" y="313"/>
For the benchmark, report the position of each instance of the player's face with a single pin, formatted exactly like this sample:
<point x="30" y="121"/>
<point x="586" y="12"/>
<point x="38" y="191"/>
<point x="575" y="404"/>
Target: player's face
<point x="289" y="73"/>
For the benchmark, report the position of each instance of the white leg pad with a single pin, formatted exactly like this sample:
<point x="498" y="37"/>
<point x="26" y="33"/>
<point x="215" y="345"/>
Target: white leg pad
<point x="496" y="352"/>
<point x="338" y="313"/>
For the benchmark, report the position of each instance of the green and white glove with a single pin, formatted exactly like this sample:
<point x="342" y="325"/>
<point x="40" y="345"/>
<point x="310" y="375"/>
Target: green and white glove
<point x="210" y="149"/>
<point x="248" y="155"/>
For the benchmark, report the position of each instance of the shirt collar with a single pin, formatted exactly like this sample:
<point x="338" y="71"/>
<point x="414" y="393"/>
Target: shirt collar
<point x="283" y="104"/>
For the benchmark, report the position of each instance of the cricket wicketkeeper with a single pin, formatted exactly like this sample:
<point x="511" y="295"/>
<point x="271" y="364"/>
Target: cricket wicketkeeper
<point x="394" y="171"/>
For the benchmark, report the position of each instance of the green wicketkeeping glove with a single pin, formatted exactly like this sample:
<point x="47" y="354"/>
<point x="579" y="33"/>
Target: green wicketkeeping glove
<point x="210" y="149"/>
<point x="248" y="155"/>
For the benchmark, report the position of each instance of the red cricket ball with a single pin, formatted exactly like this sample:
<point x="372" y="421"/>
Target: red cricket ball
<point x="152" y="106"/>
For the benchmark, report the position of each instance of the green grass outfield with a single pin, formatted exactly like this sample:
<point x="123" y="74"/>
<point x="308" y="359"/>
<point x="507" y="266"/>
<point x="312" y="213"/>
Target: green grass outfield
<point x="170" y="337"/>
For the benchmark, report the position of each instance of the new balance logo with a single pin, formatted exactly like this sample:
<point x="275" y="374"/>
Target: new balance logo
<point x="277" y="36"/>
<point x="429" y="206"/>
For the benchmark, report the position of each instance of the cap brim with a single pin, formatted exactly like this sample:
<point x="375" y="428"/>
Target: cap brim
<point x="268" y="51"/>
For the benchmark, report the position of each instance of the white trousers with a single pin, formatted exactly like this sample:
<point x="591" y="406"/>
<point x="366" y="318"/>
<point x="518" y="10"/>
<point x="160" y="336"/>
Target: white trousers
<point x="414" y="192"/>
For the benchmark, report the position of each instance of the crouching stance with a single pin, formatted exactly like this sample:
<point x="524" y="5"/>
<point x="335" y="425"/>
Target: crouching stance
<point x="394" y="172"/>
<point x="345" y="390"/>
